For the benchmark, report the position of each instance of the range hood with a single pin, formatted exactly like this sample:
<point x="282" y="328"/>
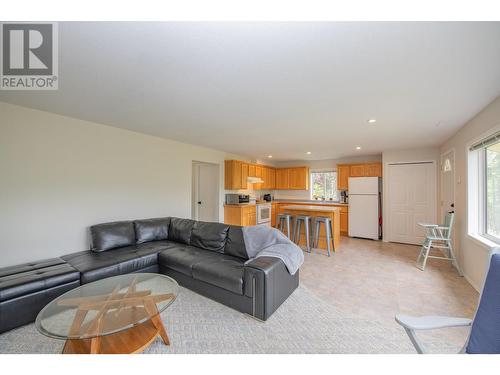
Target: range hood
<point x="255" y="180"/>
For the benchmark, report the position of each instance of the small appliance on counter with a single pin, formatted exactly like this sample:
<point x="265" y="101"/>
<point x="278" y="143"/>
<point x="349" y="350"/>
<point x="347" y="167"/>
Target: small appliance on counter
<point x="237" y="198"/>
<point x="267" y="197"/>
<point x="344" y="196"/>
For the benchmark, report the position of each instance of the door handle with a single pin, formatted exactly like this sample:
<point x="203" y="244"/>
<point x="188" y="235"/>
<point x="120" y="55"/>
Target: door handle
<point x="199" y="202"/>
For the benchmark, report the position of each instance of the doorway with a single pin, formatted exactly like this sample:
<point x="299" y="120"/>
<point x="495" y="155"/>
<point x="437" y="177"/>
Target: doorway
<point x="206" y="191"/>
<point x="447" y="183"/>
<point x="447" y="196"/>
<point x="411" y="200"/>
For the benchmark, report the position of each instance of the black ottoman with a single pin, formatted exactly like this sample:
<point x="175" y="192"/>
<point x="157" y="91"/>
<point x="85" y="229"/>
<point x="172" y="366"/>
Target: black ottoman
<point x="25" y="289"/>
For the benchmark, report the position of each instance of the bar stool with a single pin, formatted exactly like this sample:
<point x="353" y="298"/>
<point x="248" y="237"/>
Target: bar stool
<point x="284" y="219"/>
<point x="299" y="219"/>
<point x="328" y="231"/>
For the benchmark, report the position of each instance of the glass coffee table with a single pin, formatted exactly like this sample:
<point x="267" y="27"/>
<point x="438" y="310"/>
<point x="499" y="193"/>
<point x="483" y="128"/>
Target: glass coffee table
<point x="117" y="315"/>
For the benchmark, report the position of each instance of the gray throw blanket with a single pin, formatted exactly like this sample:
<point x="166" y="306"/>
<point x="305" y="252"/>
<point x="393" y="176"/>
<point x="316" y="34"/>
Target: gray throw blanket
<point x="264" y="241"/>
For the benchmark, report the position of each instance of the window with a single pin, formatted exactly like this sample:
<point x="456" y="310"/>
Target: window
<point x="492" y="190"/>
<point x="324" y="185"/>
<point x="484" y="190"/>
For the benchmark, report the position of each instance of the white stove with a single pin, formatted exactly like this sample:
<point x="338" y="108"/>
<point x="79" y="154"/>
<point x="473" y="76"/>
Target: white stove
<point x="263" y="213"/>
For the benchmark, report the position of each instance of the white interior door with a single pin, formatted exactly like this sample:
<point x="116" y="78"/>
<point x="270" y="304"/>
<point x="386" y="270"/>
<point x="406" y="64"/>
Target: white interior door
<point x="206" y="192"/>
<point x="411" y="200"/>
<point x="447" y="183"/>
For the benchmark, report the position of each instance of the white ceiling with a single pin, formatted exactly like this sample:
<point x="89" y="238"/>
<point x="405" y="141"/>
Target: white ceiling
<point x="278" y="88"/>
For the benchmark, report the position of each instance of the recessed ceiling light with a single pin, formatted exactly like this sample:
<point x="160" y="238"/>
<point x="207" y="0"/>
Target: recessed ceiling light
<point x="270" y="156"/>
<point x="372" y="121"/>
<point x="308" y="152"/>
<point x="358" y="147"/>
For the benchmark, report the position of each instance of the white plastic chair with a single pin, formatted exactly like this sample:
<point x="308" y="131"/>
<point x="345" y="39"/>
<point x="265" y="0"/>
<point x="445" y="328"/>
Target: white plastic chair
<point x="484" y="336"/>
<point x="438" y="237"/>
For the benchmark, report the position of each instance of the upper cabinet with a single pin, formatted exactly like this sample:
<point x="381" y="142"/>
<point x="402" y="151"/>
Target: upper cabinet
<point x="237" y="172"/>
<point x="282" y="178"/>
<point x="298" y="178"/>
<point x="344" y="171"/>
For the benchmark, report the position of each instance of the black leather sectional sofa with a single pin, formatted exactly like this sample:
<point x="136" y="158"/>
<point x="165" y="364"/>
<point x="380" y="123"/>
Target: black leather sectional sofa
<point x="208" y="258"/>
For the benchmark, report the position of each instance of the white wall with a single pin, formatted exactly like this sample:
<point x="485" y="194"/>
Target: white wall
<point x="330" y="164"/>
<point x="472" y="255"/>
<point x="58" y="175"/>
<point x="405" y="156"/>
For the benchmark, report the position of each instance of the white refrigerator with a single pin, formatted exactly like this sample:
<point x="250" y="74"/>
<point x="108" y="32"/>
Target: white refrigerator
<point x="365" y="208"/>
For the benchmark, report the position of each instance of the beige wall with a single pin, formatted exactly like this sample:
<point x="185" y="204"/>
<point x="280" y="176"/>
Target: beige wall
<point x="318" y="164"/>
<point x="58" y="175"/>
<point x="473" y="256"/>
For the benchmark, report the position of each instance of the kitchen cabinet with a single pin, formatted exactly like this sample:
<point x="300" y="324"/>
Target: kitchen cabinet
<point x="244" y="175"/>
<point x="282" y="178"/>
<point x="252" y="170"/>
<point x="343" y="177"/>
<point x="237" y="172"/>
<point x="344" y="171"/>
<point x="357" y="170"/>
<point x="243" y="215"/>
<point x="344" y="221"/>
<point x="374" y="170"/>
<point x="298" y="178"/>
<point x="274" y="213"/>
<point x="232" y="175"/>
<point x="272" y="178"/>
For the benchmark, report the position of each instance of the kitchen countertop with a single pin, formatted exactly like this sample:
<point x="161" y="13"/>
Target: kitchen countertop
<point x="311" y="208"/>
<point x="311" y="201"/>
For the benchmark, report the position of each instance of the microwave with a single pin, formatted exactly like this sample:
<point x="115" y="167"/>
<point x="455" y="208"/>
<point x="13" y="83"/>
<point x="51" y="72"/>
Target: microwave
<point x="237" y="198"/>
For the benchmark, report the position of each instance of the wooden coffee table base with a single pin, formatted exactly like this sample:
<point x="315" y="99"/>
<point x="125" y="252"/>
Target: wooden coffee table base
<point x="132" y="340"/>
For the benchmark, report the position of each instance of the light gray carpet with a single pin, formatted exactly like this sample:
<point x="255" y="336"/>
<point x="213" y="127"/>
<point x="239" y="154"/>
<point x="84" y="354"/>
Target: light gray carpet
<point x="303" y="324"/>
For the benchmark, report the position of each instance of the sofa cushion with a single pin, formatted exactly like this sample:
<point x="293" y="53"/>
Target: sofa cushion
<point x="29" y="278"/>
<point x="151" y="229"/>
<point x="182" y="258"/>
<point x="209" y="236"/>
<point x="225" y="272"/>
<point x="235" y="244"/>
<point x="108" y="236"/>
<point x="180" y="230"/>
<point x="95" y="266"/>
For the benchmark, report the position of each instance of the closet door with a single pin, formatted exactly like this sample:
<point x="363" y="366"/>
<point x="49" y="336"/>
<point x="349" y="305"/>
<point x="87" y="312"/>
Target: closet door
<point x="411" y="199"/>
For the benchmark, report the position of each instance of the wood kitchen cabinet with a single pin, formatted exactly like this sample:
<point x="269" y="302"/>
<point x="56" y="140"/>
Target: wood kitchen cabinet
<point x="232" y="175"/>
<point x="243" y="215"/>
<point x="344" y="221"/>
<point x="374" y="170"/>
<point x="357" y="170"/>
<point x="344" y="171"/>
<point x="274" y="213"/>
<point x="298" y="178"/>
<point x="343" y="177"/>
<point x="244" y="175"/>
<point x="272" y="178"/>
<point x="252" y="170"/>
<point x="282" y="178"/>
<point x="237" y="172"/>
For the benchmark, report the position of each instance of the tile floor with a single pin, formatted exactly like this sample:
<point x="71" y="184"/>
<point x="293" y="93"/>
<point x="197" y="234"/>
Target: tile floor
<point x="378" y="279"/>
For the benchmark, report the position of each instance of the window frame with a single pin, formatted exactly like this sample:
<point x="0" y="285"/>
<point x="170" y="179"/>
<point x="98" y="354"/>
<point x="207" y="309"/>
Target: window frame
<point x="311" y="184"/>
<point x="477" y="193"/>
<point x="483" y="197"/>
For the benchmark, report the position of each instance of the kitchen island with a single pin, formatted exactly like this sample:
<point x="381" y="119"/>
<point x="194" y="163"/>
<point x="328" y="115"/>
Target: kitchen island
<point x="314" y="211"/>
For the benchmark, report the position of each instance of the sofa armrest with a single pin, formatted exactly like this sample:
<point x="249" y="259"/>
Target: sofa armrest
<point x="268" y="283"/>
